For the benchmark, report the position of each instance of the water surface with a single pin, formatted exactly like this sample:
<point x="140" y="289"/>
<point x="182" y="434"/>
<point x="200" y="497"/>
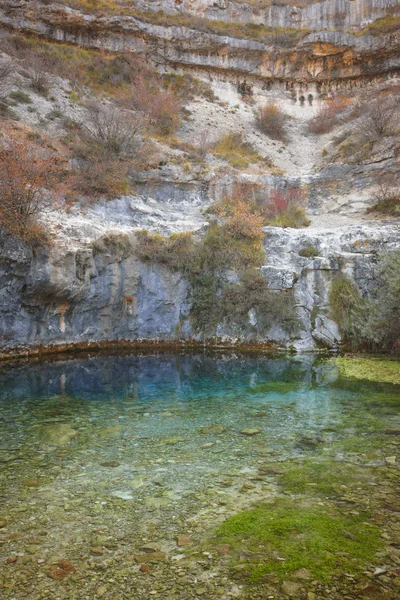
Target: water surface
<point x="103" y="455"/>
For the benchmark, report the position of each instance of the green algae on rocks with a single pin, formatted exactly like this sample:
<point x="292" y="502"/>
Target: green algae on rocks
<point x="370" y="368"/>
<point x="286" y="536"/>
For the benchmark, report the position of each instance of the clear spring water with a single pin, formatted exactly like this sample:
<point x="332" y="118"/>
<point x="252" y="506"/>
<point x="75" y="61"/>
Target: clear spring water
<point x="100" y="455"/>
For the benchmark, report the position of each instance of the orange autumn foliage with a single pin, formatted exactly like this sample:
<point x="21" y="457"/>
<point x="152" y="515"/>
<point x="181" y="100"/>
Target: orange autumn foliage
<point x="27" y="177"/>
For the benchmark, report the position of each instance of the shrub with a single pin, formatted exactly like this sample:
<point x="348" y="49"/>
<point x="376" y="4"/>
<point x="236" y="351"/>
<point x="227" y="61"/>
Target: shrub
<point x="379" y="321"/>
<point x="233" y="148"/>
<point x="284" y="209"/>
<point x="308" y="252"/>
<point x="380" y="115"/>
<point x="161" y="107"/>
<point x="39" y="66"/>
<point x="98" y="175"/>
<point x="113" y="129"/>
<point x="173" y="252"/>
<point x="186" y="88"/>
<point x="27" y="175"/>
<point x="326" y="118"/>
<point x="344" y="298"/>
<point x="270" y="120"/>
<point x="371" y="323"/>
<point x="387" y="201"/>
<point x="252" y="293"/>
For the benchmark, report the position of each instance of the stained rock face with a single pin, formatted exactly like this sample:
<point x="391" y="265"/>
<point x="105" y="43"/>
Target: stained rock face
<point x="104" y="293"/>
<point x="323" y="56"/>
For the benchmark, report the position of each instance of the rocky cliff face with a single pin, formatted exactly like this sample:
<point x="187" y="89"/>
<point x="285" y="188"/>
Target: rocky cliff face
<point x="90" y="287"/>
<point x="102" y="293"/>
<point x="326" y="51"/>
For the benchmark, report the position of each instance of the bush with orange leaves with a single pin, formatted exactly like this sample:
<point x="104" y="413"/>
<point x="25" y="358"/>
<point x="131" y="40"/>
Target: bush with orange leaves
<point x="27" y="177"/>
<point x="327" y="116"/>
<point x="161" y="107"/>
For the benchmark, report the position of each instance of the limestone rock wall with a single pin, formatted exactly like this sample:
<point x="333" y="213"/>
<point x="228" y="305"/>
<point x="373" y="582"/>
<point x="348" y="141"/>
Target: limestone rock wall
<point x="328" y="14"/>
<point x="102" y="293"/>
<point x="326" y="54"/>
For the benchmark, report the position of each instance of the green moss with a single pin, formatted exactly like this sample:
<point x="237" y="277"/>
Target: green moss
<point x="324" y="478"/>
<point x="304" y="536"/>
<point x="279" y="387"/>
<point x="370" y="369"/>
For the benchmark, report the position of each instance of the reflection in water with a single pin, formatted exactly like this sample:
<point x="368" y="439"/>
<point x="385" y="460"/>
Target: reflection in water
<point x="144" y="447"/>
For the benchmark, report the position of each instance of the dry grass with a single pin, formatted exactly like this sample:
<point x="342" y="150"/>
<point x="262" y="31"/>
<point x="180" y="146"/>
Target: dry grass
<point x="390" y="23"/>
<point x="232" y="147"/>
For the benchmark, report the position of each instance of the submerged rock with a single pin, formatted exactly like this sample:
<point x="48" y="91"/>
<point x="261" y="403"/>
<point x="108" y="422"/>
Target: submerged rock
<point x="215" y="429"/>
<point x="290" y="588"/>
<point x="250" y="432"/>
<point x="58" y="434"/>
<point x="150" y="557"/>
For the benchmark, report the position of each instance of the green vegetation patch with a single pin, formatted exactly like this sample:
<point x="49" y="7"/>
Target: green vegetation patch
<point x="235" y="244"/>
<point x="324" y="478"/>
<point x="306" y="537"/>
<point x="370" y="369"/>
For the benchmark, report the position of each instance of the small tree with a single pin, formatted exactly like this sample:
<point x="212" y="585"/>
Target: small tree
<point x="113" y="129"/>
<point x="285" y="209"/>
<point x="27" y="177"/>
<point x="380" y="114"/>
<point x="39" y="66"/>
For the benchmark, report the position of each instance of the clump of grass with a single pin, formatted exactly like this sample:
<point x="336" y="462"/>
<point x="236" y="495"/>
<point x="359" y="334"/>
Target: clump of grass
<point x="307" y="537"/>
<point x="20" y="97"/>
<point x="294" y="217"/>
<point x="236" y="151"/>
